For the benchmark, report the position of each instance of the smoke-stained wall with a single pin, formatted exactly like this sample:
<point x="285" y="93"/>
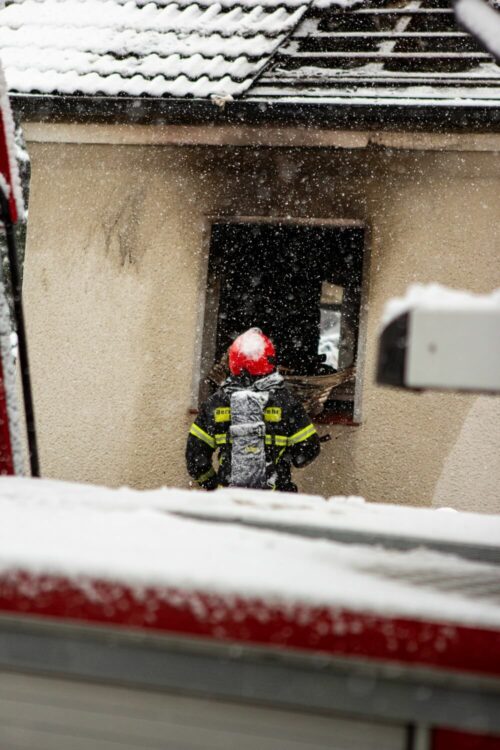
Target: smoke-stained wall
<point x="114" y="280"/>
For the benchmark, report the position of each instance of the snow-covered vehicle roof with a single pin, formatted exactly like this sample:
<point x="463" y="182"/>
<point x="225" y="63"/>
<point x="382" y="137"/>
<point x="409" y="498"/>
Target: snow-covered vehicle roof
<point x="287" y="52"/>
<point x="125" y="557"/>
<point x="113" y="586"/>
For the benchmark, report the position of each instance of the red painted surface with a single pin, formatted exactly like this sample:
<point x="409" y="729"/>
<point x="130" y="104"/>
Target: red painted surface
<point x="336" y="632"/>
<point x="5" y="167"/>
<point x="6" y="458"/>
<point x="450" y="739"/>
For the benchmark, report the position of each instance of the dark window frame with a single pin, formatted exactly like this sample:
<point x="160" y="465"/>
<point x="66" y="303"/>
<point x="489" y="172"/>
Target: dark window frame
<point x="208" y="308"/>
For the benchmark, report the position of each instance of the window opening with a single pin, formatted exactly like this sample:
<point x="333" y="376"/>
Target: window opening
<point x="330" y="322"/>
<point x="299" y="283"/>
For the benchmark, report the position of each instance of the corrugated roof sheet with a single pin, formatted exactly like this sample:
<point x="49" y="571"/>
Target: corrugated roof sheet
<point x="140" y="48"/>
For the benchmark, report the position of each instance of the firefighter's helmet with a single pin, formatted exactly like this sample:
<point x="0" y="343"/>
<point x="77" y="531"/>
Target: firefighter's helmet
<point x="252" y="352"/>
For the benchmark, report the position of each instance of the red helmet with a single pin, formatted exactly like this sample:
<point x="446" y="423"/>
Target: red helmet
<point x="252" y="352"/>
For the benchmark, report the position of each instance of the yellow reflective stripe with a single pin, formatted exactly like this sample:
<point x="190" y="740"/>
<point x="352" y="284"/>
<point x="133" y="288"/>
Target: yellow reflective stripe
<point x="280" y="455"/>
<point x="202" y="435"/>
<point x="223" y="414"/>
<point x="206" y="475"/>
<point x="276" y="440"/>
<point x="221" y="438"/>
<point x="301" y="435"/>
<point x="272" y="414"/>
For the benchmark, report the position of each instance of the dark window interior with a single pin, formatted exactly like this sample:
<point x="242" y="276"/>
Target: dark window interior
<point x="301" y="284"/>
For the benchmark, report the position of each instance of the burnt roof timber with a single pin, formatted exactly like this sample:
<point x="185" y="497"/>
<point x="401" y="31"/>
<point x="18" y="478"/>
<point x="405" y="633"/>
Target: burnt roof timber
<point x="412" y="79"/>
<point x="379" y="56"/>
<point x="400" y="11"/>
<point x="382" y="35"/>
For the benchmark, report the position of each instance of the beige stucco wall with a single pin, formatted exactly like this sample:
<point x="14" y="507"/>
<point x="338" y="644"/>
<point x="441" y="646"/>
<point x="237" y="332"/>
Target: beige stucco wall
<point x="113" y="287"/>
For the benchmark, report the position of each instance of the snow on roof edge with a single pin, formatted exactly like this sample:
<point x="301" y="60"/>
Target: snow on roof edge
<point x="438" y="297"/>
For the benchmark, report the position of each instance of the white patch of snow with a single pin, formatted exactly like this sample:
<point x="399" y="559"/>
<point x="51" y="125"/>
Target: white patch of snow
<point x="438" y="297"/>
<point x="482" y="21"/>
<point x="7" y="342"/>
<point x="251" y="343"/>
<point x="4" y="186"/>
<point x="221" y="100"/>
<point x="340" y="513"/>
<point x="9" y="130"/>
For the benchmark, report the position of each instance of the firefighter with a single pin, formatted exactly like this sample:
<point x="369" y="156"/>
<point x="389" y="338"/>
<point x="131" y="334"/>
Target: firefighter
<point x="254" y="423"/>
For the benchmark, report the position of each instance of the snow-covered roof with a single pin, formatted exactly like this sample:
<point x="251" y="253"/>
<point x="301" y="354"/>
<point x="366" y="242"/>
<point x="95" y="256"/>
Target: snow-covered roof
<point x="287" y="51"/>
<point x="140" y="48"/>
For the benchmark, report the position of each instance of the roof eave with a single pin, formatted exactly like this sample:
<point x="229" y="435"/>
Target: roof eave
<point x="441" y="116"/>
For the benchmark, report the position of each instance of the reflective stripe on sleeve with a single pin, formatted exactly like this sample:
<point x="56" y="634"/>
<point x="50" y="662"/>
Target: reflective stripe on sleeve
<point x="206" y="475"/>
<point x="202" y="435"/>
<point x="301" y="435"/>
<point x="221" y="438"/>
<point x="280" y="440"/>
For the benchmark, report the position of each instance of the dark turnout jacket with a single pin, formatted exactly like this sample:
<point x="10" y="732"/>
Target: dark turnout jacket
<point x="290" y="437"/>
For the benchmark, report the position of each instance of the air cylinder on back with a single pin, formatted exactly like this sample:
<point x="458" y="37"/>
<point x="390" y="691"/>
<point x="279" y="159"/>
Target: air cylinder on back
<point x="247" y="431"/>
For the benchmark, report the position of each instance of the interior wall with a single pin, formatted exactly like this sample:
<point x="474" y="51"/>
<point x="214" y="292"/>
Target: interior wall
<point x="114" y="280"/>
